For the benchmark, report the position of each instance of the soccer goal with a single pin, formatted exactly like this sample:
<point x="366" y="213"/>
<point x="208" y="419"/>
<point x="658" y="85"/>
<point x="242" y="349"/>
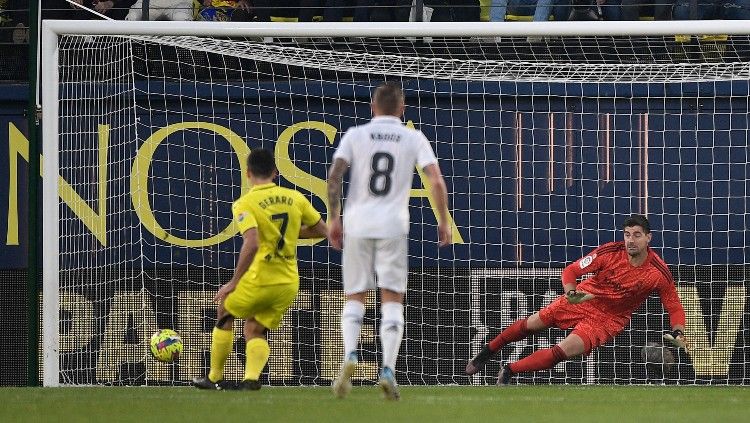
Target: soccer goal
<point x="548" y="134"/>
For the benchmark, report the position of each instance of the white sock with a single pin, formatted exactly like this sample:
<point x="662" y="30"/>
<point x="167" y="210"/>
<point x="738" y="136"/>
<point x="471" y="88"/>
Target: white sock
<point x="351" y="324"/>
<point x="391" y="331"/>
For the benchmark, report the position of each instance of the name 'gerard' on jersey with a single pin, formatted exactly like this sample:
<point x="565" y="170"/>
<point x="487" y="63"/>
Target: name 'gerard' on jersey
<point x="391" y="137"/>
<point x="275" y="199"/>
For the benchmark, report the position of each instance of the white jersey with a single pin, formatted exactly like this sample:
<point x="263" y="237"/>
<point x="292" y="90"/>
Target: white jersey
<point x="382" y="155"/>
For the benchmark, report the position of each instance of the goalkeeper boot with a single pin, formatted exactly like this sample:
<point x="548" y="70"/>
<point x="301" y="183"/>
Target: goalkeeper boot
<point x="388" y="384"/>
<point x="247" y="385"/>
<point x="343" y="383"/>
<point x="205" y="383"/>
<point x="479" y="360"/>
<point x="503" y="377"/>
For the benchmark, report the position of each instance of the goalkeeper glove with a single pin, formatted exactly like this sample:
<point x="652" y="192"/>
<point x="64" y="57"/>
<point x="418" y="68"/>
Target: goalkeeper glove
<point x="676" y="338"/>
<point x="576" y="297"/>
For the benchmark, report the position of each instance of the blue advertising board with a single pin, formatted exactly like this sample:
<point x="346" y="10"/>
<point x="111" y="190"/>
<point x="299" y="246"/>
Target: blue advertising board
<point x="537" y="173"/>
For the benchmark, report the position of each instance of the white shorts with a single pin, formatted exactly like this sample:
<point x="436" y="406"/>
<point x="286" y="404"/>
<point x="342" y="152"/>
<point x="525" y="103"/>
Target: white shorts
<point x="363" y="258"/>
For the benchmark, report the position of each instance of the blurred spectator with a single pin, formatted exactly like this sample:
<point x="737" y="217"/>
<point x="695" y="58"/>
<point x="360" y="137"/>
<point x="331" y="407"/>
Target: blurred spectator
<point x="390" y="10"/>
<point x="115" y="9"/>
<point x="14" y="21"/>
<point x="225" y="11"/>
<point x="498" y="8"/>
<point x="543" y="11"/>
<point x="362" y="11"/>
<point x="61" y="9"/>
<point x="278" y="10"/>
<point x="56" y="9"/>
<point x="262" y="10"/>
<point x="611" y="10"/>
<point x="577" y="10"/>
<point x="169" y="10"/>
<point x="632" y="10"/>
<point x="333" y="10"/>
<point x="585" y="10"/>
<point x="540" y="10"/>
<point x="736" y="9"/>
<point x="707" y="9"/>
<point x="454" y="10"/>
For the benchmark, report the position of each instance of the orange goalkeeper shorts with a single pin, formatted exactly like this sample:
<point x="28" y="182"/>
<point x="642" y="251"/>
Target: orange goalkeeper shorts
<point x="593" y="326"/>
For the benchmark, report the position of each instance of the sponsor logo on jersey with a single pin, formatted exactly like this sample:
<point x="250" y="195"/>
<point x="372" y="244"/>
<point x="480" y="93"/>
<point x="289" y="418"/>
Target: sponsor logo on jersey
<point x="242" y="216"/>
<point x="586" y="261"/>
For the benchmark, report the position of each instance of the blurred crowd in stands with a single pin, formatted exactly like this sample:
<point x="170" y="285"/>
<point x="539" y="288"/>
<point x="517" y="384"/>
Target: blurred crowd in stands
<point x="13" y="13"/>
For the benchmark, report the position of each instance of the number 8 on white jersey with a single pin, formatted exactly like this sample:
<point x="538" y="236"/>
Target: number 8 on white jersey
<point x="382" y="155"/>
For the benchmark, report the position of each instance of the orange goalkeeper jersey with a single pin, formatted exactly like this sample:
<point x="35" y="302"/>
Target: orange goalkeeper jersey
<point x="619" y="287"/>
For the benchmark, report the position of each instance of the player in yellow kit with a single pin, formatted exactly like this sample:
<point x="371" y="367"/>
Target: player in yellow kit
<point x="265" y="280"/>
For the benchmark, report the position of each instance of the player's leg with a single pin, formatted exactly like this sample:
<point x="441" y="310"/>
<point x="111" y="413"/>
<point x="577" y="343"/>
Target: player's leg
<point x="391" y="333"/>
<point x="358" y="278"/>
<point x="573" y="345"/>
<point x="221" y="345"/>
<point x="391" y="266"/>
<point x="222" y="338"/>
<point x="517" y="331"/>
<point x="351" y="324"/>
<point x="269" y="305"/>
<point x="352" y="315"/>
<point x="257" y="352"/>
<point x="391" y="325"/>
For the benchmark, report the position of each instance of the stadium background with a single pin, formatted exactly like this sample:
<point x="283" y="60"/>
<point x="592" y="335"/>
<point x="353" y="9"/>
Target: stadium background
<point x="689" y="230"/>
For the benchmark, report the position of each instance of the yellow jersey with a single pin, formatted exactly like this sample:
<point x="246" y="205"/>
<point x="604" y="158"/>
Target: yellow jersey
<point x="278" y="213"/>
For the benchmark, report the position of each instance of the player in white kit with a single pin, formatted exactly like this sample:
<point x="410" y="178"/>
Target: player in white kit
<point x="382" y="155"/>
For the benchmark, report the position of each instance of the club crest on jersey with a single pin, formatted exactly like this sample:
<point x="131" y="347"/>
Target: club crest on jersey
<point x="242" y="216"/>
<point x="586" y="261"/>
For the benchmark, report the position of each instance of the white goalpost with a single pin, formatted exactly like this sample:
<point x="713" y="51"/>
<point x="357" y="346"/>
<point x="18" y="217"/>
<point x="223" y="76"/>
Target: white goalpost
<point x="548" y="134"/>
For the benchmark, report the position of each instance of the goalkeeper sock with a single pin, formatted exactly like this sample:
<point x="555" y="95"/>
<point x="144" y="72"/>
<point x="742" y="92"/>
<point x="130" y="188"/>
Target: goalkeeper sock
<point x="221" y="346"/>
<point x="539" y="360"/>
<point x="391" y="331"/>
<point x="351" y="324"/>
<point x="256" y="356"/>
<point x="515" y="332"/>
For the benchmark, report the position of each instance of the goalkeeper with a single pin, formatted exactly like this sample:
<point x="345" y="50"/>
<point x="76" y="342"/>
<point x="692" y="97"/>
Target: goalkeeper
<point x="624" y="274"/>
<point x="265" y="280"/>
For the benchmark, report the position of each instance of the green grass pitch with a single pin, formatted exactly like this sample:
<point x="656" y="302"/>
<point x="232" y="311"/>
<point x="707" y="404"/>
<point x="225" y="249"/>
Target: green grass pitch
<point x="418" y="404"/>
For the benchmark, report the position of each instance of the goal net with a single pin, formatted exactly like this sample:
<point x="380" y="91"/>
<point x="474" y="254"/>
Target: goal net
<point x="546" y="142"/>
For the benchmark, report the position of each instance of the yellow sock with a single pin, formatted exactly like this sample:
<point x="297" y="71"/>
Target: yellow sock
<point x="257" y="353"/>
<point x="221" y="346"/>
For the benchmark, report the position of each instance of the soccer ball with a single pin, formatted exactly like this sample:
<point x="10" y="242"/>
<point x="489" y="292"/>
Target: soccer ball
<point x="658" y="358"/>
<point x="166" y="345"/>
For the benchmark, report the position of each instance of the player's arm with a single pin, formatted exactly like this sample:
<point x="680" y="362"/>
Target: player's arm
<point x="427" y="161"/>
<point x="569" y="278"/>
<point x="245" y="259"/>
<point x="318" y="230"/>
<point x="335" y="182"/>
<point x="671" y="302"/>
<point x="586" y="264"/>
<point x="439" y="194"/>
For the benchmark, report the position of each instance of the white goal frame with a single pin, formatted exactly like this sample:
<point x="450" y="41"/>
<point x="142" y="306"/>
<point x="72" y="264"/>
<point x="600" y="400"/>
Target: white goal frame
<point x="52" y="29"/>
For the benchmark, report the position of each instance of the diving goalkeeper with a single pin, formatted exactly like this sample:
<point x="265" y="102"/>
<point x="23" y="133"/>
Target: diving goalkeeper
<point x="624" y="274"/>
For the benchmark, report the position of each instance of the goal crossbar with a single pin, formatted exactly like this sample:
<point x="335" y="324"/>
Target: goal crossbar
<point x="397" y="29"/>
